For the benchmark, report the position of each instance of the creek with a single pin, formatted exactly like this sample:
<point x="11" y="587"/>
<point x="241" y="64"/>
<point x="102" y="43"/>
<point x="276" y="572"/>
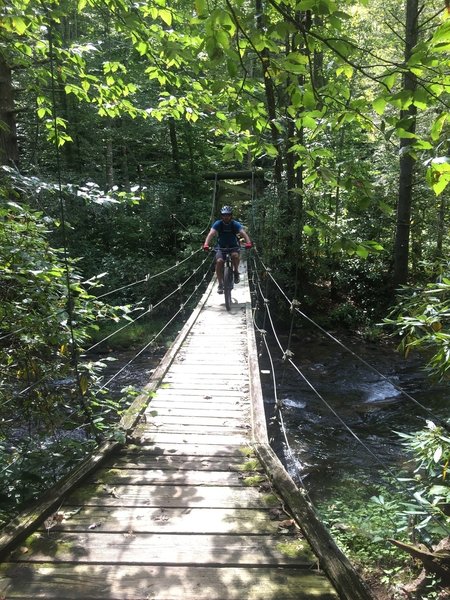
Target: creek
<point x="321" y="451"/>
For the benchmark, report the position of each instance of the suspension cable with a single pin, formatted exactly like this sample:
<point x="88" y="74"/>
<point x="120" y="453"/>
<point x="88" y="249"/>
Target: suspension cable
<point x="131" y="322"/>
<point x="150" y="308"/>
<point x="367" y="448"/>
<point x="293" y="304"/>
<point x="149" y="277"/>
<point x="181" y="309"/>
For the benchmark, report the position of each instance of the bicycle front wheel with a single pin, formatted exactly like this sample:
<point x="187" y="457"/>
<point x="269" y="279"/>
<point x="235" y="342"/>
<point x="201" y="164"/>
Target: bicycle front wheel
<point x="227" y="285"/>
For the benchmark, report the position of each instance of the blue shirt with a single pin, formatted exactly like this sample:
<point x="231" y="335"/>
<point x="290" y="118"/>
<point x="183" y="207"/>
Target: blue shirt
<point x="227" y="233"/>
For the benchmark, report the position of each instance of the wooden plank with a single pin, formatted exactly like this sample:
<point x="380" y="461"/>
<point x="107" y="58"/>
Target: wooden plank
<point x="212" y="386"/>
<point x="232" y="415"/>
<point x="174" y="496"/>
<point x="188" y="420"/>
<point x="187" y="378"/>
<point x="209" y="356"/>
<point x="181" y="463"/>
<point x="210" y="393"/>
<point x="220" y="370"/>
<point x="184" y="449"/>
<point x="195" y="438"/>
<point x="165" y="549"/>
<point x="124" y="582"/>
<point x="117" y="476"/>
<point x="147" y="432"/>
<point x="177" y="410"/>
<point x="167" y="520"/>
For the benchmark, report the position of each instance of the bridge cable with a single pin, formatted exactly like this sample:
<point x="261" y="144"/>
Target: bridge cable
<point x="278" y="402"/>
<point x="180" y="310"/>
<point x="294" y="305"/>
<point x="149" y="277"/>
<point x="384" y="466"/>
<point x="131" y="322"/>
<point x="150" y="308"/>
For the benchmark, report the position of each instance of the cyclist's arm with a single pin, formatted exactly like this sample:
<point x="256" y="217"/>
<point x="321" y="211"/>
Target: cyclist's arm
<point x="209" y="237"/>
<point x="245" y="236"/>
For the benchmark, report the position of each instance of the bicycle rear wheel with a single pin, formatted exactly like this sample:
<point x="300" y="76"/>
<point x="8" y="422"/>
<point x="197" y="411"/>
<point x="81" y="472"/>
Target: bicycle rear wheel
<point x="227" y="285"/>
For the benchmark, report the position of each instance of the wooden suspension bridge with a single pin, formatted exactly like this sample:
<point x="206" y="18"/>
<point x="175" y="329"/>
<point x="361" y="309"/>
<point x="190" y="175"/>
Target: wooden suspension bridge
<point x="195" y="505"/>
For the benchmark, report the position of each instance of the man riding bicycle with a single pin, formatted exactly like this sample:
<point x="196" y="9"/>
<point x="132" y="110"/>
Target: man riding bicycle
<point x="227" y="229"/>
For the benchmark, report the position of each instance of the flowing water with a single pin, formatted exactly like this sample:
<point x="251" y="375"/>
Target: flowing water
<point x="347" y="428"/>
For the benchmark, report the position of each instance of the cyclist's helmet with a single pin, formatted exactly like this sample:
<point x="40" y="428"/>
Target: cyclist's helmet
<point x="226" y="210"/>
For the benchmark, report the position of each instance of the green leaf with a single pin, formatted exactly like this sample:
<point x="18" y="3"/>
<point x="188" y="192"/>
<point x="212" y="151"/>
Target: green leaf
<point x="402" y="133"/>
<point x="438" y="174"/>
<point x="19" y="25"/>
<point x="437" y="126"/>
<point x="362" y="252"/>
<point x="379" y="104"/>
<point x="201" y="8"/>
<point x="442" y="35"/>
<point x="166" y="16"/>
<point x="306" y="5"/>
<point x="421" y="98"/>
<point x="347" y="70"/>
<point x="309" y="100"/>
<point x="389" y="80"/>
<point x="422" y="145"/>
<point x="142" y="48"/>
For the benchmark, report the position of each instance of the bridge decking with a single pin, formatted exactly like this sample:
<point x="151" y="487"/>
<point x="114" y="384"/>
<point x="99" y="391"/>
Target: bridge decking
<point x="185" y="511"/>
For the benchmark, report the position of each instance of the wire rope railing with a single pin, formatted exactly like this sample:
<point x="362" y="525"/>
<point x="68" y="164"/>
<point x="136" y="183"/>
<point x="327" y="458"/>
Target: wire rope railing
<point x="151" y="307"/>
<point x="156" y="336"/>
<point x="149" y="310"/>
<point x="426" y="507"/>
<point x="294" y="306"/>
<point x="150" y="277"/>
<point x="171" y="320"/>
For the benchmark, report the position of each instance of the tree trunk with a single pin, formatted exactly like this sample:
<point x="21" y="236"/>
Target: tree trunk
<point x="441" y="227"/>
<point x="405" y="191"/>
<point x="270" y="95"/>
<point x="174" y="147"/>
<point x="109" y="162"/>
<point x="9" y="152"/>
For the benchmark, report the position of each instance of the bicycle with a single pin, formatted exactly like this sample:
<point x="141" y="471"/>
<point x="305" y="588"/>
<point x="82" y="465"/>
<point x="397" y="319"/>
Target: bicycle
<point x="228" y="274"/>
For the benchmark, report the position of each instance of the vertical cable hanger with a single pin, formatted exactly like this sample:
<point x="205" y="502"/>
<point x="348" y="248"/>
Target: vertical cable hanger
<point x="70" y="300"/>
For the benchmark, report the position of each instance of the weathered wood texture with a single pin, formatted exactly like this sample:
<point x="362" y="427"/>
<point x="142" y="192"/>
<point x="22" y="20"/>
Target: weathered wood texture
<point x="185" y="510"/>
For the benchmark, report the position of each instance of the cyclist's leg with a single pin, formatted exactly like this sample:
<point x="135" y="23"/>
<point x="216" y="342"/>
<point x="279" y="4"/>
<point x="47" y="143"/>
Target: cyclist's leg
<point x="219" y="268"/>
<point x="235" y="259"/>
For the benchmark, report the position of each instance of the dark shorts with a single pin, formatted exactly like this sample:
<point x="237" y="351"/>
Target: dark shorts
<point x="222" y="252"/>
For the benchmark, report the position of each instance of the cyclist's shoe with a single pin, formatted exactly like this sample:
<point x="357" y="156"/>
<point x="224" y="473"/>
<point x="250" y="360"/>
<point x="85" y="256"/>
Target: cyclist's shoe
<point x="220" y="288"/>
<point x="237" y="277"/>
